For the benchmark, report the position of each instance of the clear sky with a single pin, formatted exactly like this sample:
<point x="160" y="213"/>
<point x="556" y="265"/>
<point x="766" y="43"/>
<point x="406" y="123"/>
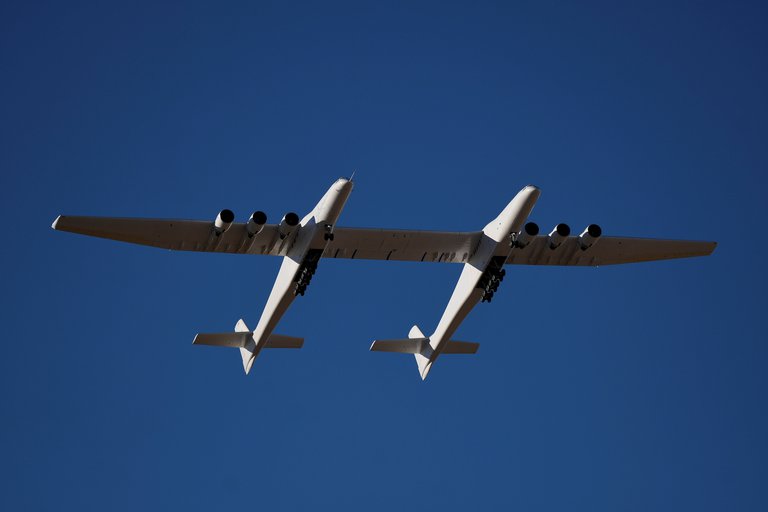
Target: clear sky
<point x="639" y="387"/>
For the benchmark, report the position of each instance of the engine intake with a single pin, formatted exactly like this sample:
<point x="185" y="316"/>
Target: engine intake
<point x="223" y="221"/>
<point x="256" y="223"/>
<point x="590" y="236"/>
<point x="288" y="224"/>
<point x="558" y="235"/>
<point x="528" y="233"/>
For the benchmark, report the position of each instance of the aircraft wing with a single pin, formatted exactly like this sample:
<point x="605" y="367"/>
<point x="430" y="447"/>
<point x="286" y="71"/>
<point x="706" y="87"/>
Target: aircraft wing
<point x="456" y="247"/>
<point x="607" y="250"/>
<point x="354" y="243"/>
<point x="402" y="245"/>
<point x="179" y="235"/>
<point x="377" y="244"/>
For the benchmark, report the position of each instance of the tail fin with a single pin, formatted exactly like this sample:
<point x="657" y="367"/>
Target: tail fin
<point x="422" y="358"/>
<point x="242" y="338"/>
<point x="248" y="351"/>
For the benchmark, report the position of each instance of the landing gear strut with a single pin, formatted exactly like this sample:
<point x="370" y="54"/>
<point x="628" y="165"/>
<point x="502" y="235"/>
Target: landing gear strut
<point x="492" y="278"/>
<point x="306" y="271"/>
<point x="328" y="235"/>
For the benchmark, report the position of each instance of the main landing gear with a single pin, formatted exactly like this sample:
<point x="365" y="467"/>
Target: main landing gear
<point x="492" y="278"/>
<point x="306" y="271"/>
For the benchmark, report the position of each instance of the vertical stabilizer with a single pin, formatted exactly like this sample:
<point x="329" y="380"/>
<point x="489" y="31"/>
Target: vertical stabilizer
<point x="422" y="361"/>
<point x="246" y="352"/>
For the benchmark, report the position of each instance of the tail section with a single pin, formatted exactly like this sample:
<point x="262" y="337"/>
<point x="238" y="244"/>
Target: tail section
<point x="248" y="350"/>
<point x="423" y="357"/>
<point x="242" y="338"/>
<point x="419" y="345"/>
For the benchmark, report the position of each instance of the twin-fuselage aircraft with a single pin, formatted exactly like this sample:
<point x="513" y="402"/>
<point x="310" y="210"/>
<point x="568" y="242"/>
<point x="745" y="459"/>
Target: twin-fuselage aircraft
<point x="507" y="239"/>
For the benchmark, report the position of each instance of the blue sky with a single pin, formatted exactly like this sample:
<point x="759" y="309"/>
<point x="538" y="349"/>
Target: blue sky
<point x="639" y="387"/>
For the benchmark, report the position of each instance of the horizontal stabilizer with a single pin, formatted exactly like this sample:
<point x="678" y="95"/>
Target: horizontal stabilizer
<point x="403" y="346"/>
<point x="223" y="339"/>
<point x="240" y="340"/>
<point x="460" y="347"/>
<point x="280" y="341"/>
<point x="416" y="346"/>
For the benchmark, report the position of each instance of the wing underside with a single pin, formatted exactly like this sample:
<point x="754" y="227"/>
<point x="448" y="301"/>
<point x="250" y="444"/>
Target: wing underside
<point x="178" y="235"/>
<point x="377" y="244"/>
<point x="402" y="245"/>
<point x="457" y="247"/>
<point x="607" y="251"/>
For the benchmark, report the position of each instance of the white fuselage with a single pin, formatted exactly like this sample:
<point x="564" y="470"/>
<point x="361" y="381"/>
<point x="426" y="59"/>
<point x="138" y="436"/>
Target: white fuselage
<point x="308" y="235"/>
<point x="466" y="294"/>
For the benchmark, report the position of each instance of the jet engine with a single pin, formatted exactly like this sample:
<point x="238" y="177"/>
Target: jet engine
<point x="256" y="223"/>
<point x="528" y="233"/>
<point x="287" y="225"/>
<point x="223" y="221"/>
<point x="558" y="235"/>
<point x="590" y="236"/>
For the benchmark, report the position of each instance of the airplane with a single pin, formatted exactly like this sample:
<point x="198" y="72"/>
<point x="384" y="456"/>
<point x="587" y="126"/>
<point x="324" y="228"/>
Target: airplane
<point x="509" y="239"/>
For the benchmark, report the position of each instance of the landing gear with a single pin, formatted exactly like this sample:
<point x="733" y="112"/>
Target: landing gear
<point x="492" y="278"/>
<point x="328" y="235"/>
<point x="306" y="271"/>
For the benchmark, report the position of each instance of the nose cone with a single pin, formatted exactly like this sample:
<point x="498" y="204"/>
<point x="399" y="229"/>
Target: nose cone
<point x="533" y="190"/>
<point x="530" y="194"/>
<point x="343" y="184"/>
<point x="514" y="215"/>
<point x="330" y="206"/>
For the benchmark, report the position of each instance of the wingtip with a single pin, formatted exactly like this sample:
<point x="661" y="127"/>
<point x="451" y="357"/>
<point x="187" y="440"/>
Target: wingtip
<point x="55" y="222"/>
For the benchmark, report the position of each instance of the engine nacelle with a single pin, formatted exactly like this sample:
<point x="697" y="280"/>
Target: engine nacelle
<point x="590" y="236"/>
<point x="288" y="224"/>
<point x="558" y="235"/>
<point x="256" y="223"/>
<point x="223" y="221"/>
<point x="528" y="233"/>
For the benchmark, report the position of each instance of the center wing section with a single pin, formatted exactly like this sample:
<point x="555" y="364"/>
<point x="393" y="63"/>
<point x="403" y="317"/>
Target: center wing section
<point x="178" y="235"/>
<point x="402" y="245"/>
